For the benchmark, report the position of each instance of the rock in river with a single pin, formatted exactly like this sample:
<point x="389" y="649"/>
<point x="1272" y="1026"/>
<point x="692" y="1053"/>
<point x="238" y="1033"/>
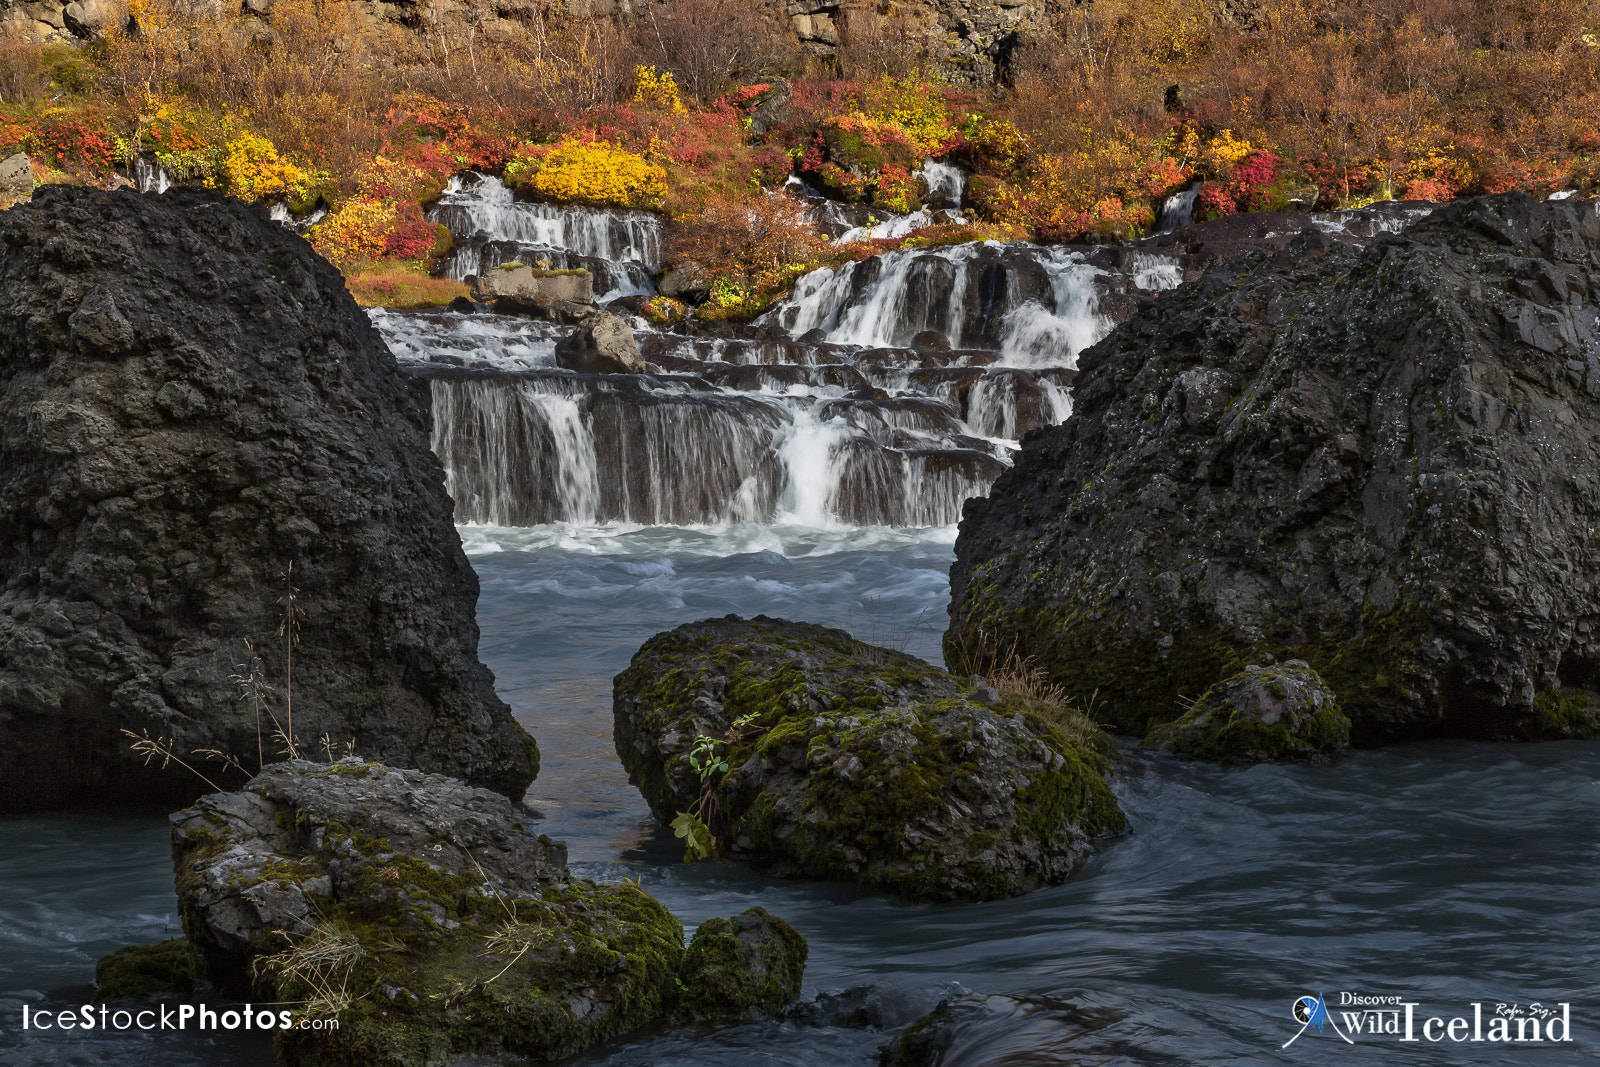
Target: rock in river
<point x="1263" y="713"/>
<point x="812" y="754"/>
<point x="1380" y="461"/>
<point x="194" y="417"/>
<point x="438" y="925"/>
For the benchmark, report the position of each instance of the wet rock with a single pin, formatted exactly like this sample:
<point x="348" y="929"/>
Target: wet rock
<point x="996" y="1031"/>
<point x="16" y="179"/>
<point x="1263" y="713"/>
<point x="933" y="340"/>
<point x="147" y="970"/>
<point x="856" y="763"/>
<point x="459" y="925"/>
<point x="195" y="417"/>
<point x="865" y="1007"/>
<point x="686" y="281"/>
<point x="1370" y="459"/>
<point x="462" y="306"/>
<point x="741" y="969"/>
<point x="518" y="289"/>
<point x="603" y="345"/>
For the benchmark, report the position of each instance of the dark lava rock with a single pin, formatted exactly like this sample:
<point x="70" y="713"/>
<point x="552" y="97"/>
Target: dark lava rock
<point x="864" y="1007"/>
<point x="856" y="763"/>
<point x="1263" y="713"/>
<point x="429" y="916"/>
<point x="190" y="404"/>
<point x="1380" y="461"/>
<point x="999" y="1031"/>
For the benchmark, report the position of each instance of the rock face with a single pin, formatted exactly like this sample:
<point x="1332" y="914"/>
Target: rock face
<point x="518" y="289"/>
<point x="16" y="179"/>
<point x="602" y="345"/>
<point x="190" y="406"/>
<point x="812" y="754"/>
<point x="1379" y="461"/>
<point x="1263" y="713"/>
<point x="459" y="930"/>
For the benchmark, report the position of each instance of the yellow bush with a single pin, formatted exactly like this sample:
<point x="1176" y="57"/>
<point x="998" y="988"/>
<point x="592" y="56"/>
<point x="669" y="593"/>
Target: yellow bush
<point x="253" y="170"/>
<point x="354" y="232"/>
<point x="657" y="90"/>
<point x="595" y="173"/>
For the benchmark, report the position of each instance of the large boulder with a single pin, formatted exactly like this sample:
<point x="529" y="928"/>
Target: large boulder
<point x="1379" y="461"/>
<point x="16" y="179"/>
<point x="1261" y="714"/>
<point x="196" y="419"/>
<point x="602" y="345"/>
<point x="812" y="754"/>
<point x="433" y="920"/>
<point x="518" y="289"/>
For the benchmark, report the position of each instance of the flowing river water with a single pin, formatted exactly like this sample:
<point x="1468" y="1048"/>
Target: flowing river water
<point x="818" y="478"/>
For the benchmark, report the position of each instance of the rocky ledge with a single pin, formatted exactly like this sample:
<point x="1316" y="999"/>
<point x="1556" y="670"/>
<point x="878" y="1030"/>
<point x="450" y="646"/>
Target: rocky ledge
<point x="432" y="919"/>
<point x="812" y="754"/>
<point x="195" y="420"/>
<point x="1379" y="461"/>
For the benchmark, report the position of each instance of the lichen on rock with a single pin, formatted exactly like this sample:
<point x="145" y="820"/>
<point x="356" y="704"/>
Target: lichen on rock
<point x="832" y="758"/>
<point x="1373" y="460"/>
<point x="1261" y="714"/>
<point x="435" y="922"/>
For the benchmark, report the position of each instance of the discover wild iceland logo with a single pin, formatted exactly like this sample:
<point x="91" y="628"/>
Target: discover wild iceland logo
<point x="1357" y="1016"/>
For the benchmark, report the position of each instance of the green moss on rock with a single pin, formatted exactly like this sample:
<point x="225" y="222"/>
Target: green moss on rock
<point x="743" y="968"/>
<point x="1260" y="715"/>
<point x="856" y="763"/>
<point x="147" y="970"/>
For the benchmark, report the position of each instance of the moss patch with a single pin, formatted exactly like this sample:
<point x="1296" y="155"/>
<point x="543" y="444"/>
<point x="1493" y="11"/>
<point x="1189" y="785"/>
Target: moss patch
<point x="147" y="970"/>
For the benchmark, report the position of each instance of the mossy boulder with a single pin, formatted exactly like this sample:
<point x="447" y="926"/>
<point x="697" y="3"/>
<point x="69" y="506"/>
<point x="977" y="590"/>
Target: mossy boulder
<point x="147" y="970"/>
<point x="811" y="754"/>
<point x="432" y="919"/>
<point x="1374" y="459"/>
<point x="1261" y="714"/>
<point x="740" y="969"/>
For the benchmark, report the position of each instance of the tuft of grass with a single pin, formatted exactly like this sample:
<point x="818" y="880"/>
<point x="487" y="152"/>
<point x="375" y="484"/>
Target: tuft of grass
<point x="401" y="284"/>
<point x="1025" y="686"/>
<point x="320" y="964"/>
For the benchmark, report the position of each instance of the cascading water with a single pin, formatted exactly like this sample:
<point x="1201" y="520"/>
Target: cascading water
<point x="945" y="182"/>
<point x="150" y="177"/>
<point x="1178" y="210"/>
<point x="620" y="248"/>
<point x="910" y="379"/>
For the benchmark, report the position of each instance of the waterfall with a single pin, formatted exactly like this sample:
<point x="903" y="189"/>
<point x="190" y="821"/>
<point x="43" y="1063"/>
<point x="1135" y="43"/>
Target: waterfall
<point x="1178" y="209"/>
<point x="571" y="448"/>
<point x="620" y="248"/>
<point x="150" y="178"/>
<point x="1156" y="272"/>
<point x="945" y="182"/>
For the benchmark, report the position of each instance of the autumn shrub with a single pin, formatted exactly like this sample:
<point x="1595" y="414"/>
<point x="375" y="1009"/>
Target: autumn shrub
<point x="355" y="233"/>
<point x="74" y="140"/>
<point x="589" y="172"/>
<point x="252" y="170"/>
<point x="748" y="251"/>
